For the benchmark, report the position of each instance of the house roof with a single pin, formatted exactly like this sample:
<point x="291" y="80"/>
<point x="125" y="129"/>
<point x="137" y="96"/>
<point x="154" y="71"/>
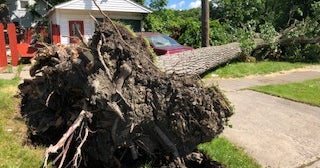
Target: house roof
<point x="105" y="5"/>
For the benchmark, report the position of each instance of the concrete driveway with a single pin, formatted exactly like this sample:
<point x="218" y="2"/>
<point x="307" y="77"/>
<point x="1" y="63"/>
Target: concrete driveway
<point x="278" y="133"/>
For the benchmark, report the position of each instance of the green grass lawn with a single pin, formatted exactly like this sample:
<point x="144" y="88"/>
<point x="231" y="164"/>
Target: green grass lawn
<point x="221" y="150"/>
<point x="13" y="132"/>
<point x="306" y="92"/>
<point x="241" y="69"/>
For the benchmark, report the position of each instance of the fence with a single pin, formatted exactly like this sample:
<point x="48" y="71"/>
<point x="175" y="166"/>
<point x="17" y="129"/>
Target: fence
<point x="12" y="36"/>
<point x="20" y="45"/>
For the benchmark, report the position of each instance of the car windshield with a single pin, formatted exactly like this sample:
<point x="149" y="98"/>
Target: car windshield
<point x="162" y="41"/>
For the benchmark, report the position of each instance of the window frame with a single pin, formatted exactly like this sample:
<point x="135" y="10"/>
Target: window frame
<point x="72" y="33"/>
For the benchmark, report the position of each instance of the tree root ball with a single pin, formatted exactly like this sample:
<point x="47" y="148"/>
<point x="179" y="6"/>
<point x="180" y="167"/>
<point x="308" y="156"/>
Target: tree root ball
<point x="105" y="104"/>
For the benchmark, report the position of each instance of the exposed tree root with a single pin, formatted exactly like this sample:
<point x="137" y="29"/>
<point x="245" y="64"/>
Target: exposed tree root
<point x="64" y="143"/>
<point x="137" y="113"/>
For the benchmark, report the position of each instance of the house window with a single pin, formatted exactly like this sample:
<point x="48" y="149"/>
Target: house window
<point x="24" y="4"/>
<point x="75" y="27"/>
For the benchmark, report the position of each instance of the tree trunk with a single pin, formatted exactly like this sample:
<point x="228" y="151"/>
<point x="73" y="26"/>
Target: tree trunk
<point x="198" y="61"/>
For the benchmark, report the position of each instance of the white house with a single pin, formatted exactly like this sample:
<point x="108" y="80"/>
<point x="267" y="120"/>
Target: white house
<point x="76" y="14"/>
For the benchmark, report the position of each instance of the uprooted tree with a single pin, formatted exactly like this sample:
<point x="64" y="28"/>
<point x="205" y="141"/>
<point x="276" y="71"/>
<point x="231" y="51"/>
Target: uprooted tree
<point x="105" y="104"/>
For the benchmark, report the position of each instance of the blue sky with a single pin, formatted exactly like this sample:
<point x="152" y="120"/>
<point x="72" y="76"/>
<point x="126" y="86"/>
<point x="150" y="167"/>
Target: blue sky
<point x="183" y="4"/>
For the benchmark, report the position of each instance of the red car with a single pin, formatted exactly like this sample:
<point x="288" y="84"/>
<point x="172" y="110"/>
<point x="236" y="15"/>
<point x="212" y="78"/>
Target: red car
<point x="163" y="44"/>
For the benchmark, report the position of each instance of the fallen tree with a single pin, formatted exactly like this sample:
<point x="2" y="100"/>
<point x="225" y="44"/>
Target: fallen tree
<point x="199" y="61"/>
<point x="105" y="104"/>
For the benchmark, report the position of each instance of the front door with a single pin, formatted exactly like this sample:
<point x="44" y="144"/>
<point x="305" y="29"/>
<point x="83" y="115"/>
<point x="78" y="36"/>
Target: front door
<point x="74" y="27"/>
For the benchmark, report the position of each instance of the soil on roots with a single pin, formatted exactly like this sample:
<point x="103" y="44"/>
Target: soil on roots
<point x="140" y="115"/>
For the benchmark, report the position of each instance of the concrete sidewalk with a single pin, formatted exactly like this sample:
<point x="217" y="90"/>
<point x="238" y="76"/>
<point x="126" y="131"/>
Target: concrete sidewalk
<point x="278" y="133"/>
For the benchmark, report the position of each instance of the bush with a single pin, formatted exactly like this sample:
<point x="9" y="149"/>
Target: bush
<point x="302" y="53"/>
<point x="221" y="33"/>
<point x="191" y="35"/>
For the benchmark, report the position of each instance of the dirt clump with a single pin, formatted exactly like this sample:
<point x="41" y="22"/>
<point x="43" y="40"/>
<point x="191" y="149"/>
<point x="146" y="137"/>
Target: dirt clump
<point x="106" y="104"/>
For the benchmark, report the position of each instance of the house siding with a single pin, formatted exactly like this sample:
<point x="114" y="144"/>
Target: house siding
<point x="80" y="10"/>
<point x="64" y="26"/>
<point x="62" y="18"/>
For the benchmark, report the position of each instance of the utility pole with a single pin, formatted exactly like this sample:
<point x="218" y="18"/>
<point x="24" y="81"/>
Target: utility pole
<point x="205" y="23"/>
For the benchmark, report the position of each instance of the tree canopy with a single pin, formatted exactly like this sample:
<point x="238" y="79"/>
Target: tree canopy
<point x="142" y="2"/>
<point x="294" y="22"/>
<point x="158" y="4"/>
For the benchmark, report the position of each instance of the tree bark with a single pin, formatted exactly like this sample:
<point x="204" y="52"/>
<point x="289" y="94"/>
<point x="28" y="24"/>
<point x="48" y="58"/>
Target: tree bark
<point x="198" y="61"/>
